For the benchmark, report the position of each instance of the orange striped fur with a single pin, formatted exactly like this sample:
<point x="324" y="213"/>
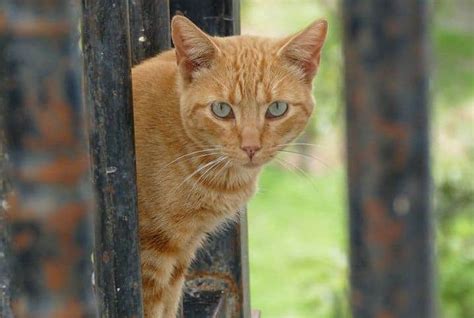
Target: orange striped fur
<point x="174" y="125"/>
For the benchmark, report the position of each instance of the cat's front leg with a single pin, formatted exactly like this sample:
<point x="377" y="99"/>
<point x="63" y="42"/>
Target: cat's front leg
<point x="162" y="279"/>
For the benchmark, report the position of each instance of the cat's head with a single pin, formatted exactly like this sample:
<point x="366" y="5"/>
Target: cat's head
<point x="248" y="96"/>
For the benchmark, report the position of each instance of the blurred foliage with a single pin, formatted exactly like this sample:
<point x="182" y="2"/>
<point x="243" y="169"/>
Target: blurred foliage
<point x="297" y="223"/>
<point x="453" y="43"/>
<point x="297" y="245"/>
<point x="454" y="208"/>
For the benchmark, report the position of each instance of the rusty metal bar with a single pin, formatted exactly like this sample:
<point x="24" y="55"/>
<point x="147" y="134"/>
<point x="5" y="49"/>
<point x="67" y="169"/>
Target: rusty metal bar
<point x="107" y="82"/>
<point x="5" y="188"/>
<point x="222" y="265"/>
<point x="49" y="211"/>
<point x="386" y="58"/>
<point x="149" y="28"/>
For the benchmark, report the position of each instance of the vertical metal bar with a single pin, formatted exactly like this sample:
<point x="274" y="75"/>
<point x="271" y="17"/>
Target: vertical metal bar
<point x="149" y="28"/>
<point x="222" y="265"/>
<point x="48" y="217"/>
<point x="106" y="47"/>
<point x="388" y="158"/>
<point x="5" y="309"/>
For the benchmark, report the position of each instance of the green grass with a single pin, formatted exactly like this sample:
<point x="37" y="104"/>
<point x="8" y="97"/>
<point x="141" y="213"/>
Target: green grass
<point x="297" y="244"/>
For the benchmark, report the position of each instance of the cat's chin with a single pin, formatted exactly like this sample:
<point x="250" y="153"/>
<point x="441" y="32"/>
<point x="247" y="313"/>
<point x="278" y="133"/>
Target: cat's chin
<point x="252" y="165"/>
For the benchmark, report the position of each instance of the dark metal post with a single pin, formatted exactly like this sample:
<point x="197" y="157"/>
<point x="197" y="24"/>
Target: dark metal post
<point x="149" y="28"/>
<point x="385" y="46"/>
<point x="48" y="212"/>
<point x="5" y="309"/>
<point x="220" y="275"/>
<point x="106" y="47"/>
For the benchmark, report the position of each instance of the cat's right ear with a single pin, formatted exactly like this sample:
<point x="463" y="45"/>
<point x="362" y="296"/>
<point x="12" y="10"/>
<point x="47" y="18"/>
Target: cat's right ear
<point x="194" y="48"/>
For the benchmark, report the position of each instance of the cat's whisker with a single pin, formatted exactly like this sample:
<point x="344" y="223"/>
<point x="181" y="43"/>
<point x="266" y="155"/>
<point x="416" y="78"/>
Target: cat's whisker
<point x="189" y="156"/>
<point x="199" y="169"/>
<point x="220" y="170"/>
<point x="207" y="151"/>
<point x="298" y="144"/>
<point x="216" y="174"/>
<point x="303" y="173"/>
<point x="305" y="155"/>
<point x="205" y="174"/>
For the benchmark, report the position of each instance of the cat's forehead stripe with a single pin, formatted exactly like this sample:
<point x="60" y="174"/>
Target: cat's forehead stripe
<point x="249" y="62"/>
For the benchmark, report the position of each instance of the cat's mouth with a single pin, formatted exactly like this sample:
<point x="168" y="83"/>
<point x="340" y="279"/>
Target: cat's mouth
<point x="252" y="164"/>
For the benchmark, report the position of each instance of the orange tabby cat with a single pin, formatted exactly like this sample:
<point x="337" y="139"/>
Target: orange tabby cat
<point x="208" y="115"/>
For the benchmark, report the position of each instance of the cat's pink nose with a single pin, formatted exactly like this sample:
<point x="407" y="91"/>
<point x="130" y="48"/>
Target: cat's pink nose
<point x="251" y="150"/>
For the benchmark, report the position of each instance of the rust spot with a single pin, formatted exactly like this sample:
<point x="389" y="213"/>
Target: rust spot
<point x="71" y="309"/>
<point x="383" y="313"/>
<point x="56" y="274"/>
<point x="383" y="230"/>
<point x="64" y="170"/>
<point x="398" y="134"/>
<point x="39" y="28"/>
<point x="23" y="240"/>
<point x="3" y="23"/>
<point x="53" y="121"/>
<point x="390" y="129"/>
<point x="66" y="218"/>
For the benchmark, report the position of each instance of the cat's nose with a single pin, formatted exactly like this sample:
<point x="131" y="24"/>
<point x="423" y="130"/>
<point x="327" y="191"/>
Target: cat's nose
<point x="250" y="140"/>
<point x="251" y="150"/>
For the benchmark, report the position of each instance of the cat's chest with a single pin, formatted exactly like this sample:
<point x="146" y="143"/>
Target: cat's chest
<point x="226" y="201"/>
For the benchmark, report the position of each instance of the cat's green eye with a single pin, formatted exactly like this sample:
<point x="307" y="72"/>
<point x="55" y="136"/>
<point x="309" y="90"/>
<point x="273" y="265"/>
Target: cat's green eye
<point x="222" y="110"/>
<point x="276" y="109"/>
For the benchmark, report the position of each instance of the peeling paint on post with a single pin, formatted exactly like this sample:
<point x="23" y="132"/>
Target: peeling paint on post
<point x="108" y="91"/>
<point x="49" y="210"/>
<point x="386" y="58"/>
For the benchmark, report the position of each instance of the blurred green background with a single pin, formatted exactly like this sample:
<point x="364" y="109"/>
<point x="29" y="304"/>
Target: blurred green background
<point x="298" y="221"/>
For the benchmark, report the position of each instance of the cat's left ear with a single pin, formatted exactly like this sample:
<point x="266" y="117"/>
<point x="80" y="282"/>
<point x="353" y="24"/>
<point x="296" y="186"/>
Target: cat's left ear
<point x="304" y="48"/>
<point x="194" y="48"/>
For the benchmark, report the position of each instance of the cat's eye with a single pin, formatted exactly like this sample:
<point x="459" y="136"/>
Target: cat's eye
<point x="276" y="109"/>
<point x="222" y="110"/>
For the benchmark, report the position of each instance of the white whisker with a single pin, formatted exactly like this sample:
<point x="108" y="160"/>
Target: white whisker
<point x="199" y="169"/>
<point x="208" y="150"/>
<point x="220" y="170"/>
<point x="305" y="155"/>
<point x="299" y="144"/>
<point x="205" y="174"/>
<point x="303" y="173"/>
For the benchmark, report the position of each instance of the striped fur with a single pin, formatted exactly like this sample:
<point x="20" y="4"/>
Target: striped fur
<point x="185" y="191"/>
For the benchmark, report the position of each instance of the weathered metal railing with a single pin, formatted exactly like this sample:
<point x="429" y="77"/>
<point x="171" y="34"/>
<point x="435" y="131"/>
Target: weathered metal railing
<point x="386" y="52"/>
<point x="48" y="212"/>
<point x="108" y="91"/>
